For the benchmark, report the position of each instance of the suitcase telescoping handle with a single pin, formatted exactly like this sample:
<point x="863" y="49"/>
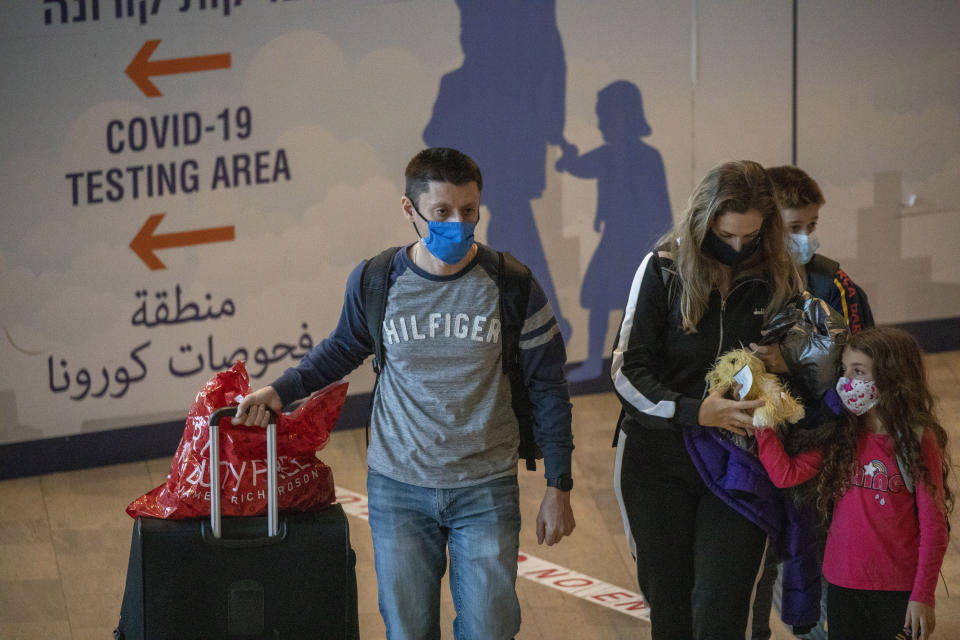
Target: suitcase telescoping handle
<point x="272" y="499"/>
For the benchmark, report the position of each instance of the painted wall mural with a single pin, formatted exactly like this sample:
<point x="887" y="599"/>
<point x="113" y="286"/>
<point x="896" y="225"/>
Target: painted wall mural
<point x="189" y="182"/>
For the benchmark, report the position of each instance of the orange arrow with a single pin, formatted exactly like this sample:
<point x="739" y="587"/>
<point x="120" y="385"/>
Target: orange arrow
<point x="145" y="242"/>
<point x="140" y="68"/>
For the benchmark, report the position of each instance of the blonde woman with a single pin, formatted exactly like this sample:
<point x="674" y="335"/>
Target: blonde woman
<point x="697" y="508"/>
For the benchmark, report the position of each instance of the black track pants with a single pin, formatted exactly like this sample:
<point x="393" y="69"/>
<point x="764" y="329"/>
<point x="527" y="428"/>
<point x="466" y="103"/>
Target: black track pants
<point x="697" y="559"/>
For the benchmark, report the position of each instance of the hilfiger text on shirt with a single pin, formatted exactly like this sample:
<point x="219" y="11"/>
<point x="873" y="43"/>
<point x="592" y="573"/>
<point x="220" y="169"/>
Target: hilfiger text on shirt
<point x="432" y="326"/>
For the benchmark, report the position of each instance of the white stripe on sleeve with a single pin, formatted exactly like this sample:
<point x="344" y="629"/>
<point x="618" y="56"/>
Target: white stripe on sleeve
<point x="662" y="409"/>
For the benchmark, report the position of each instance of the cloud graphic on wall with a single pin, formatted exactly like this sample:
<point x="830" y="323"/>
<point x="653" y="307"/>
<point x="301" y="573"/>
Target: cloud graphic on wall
<point x="383" y="98"/>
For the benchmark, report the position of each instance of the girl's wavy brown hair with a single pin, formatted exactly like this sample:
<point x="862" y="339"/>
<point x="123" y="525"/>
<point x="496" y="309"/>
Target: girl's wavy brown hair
<point x="732" y="187"/>
<point x="906" y="407"/>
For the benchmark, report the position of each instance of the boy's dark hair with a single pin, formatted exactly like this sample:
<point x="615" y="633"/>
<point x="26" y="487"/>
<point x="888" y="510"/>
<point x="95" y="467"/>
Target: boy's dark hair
<point x="794" y="188"/>
<point x="439" y="164"/>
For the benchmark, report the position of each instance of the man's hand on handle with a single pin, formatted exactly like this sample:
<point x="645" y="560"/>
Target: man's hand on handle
<point x="253" y="409"/>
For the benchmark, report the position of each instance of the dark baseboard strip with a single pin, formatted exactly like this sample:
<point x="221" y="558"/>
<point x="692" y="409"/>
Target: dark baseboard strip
<point x="157" y="440"/>
<point x="935" y="336"/>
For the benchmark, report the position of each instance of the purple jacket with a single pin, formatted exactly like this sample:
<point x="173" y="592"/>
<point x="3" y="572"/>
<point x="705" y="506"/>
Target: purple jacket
<point x="738" y="478"/>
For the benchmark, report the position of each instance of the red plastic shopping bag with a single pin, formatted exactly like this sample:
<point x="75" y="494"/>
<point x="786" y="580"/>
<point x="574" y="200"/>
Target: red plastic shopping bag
<point x="304" y="482"/>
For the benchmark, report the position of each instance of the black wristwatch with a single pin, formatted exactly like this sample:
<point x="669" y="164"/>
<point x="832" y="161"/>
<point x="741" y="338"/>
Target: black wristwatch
<point x="563" y="482"/>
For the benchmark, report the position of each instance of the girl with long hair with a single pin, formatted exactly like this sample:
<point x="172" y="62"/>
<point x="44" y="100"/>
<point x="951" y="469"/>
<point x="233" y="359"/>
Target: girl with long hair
<point x="697" y="508"/>
<point x="883" y="479"/>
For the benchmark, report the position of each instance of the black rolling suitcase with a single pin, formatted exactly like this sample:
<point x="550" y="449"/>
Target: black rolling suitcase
<point x="278" y="577"/>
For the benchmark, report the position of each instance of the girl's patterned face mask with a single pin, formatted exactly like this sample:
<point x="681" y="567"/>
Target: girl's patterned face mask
<point x="858" y="396"/>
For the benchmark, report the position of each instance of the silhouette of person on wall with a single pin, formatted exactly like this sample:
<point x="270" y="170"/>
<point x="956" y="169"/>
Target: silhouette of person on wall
<point x="633" y="208"/>
<point x="502" y="107"/>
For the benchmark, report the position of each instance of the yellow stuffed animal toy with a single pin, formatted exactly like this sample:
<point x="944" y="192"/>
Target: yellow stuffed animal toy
<point x="741" y="366"/>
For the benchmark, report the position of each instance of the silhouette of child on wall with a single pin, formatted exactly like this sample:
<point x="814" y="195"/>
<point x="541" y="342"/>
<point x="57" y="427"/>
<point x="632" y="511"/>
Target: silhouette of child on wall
<point x="633" y="209"/>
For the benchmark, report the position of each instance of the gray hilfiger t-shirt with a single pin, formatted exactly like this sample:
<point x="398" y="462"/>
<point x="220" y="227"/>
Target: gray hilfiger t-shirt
<point x="442" y="415"/>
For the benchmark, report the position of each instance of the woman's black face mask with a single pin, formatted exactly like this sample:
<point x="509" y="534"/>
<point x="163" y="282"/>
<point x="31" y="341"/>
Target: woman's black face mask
<point x="724" y="253"/>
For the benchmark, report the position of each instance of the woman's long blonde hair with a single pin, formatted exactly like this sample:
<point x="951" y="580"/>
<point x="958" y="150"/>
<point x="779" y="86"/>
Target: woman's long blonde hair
<point x="735" y="187"/>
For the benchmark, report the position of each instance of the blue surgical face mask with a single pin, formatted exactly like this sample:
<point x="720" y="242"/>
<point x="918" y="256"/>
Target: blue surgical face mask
<point x="802" y="247"/>
<point x="449" y="242"/>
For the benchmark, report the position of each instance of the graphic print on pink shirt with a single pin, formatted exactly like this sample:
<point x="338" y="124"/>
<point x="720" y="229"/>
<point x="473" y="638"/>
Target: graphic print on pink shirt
<point x="874" y="476"/>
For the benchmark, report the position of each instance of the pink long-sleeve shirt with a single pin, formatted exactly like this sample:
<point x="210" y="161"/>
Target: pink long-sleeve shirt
<point x="882" y="537"/>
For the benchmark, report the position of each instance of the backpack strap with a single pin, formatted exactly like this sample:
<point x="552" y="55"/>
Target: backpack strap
<point x="513" y="280"/>
<point x="908" y="484"/>
<point x="664" y="263"/>
<point x="905" y="474"/>
<point x="619" y="427"/>
<point x="821" y="272"/>
<point x="824" y="265"/>
<point x="375" y="284"/>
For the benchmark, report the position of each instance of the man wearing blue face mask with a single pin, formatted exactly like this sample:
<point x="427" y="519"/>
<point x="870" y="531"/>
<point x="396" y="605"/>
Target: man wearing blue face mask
<point x="463" y="339"/>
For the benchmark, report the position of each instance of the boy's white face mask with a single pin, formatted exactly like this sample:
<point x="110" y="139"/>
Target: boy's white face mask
<point x="803" y="247"/>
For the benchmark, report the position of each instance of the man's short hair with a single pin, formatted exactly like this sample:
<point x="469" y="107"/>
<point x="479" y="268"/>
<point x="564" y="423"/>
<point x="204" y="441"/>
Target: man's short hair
<point x="794" y="188"/>
<point x="439" y="164"/>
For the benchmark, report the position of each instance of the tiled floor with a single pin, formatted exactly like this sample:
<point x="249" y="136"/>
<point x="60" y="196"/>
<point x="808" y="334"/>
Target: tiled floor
<point x="64" y="539"/>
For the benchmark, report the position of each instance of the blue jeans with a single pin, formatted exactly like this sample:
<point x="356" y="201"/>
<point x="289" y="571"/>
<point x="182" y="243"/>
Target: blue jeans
<point x="412" y="528"/>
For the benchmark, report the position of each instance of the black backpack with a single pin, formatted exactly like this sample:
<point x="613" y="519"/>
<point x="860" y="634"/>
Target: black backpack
<point x="821" y="272"/>
<point x="513" y="281"/>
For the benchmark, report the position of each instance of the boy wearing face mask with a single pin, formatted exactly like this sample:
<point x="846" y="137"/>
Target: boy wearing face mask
<point x="800" y="203"/>
<point x="442" y="458"/>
